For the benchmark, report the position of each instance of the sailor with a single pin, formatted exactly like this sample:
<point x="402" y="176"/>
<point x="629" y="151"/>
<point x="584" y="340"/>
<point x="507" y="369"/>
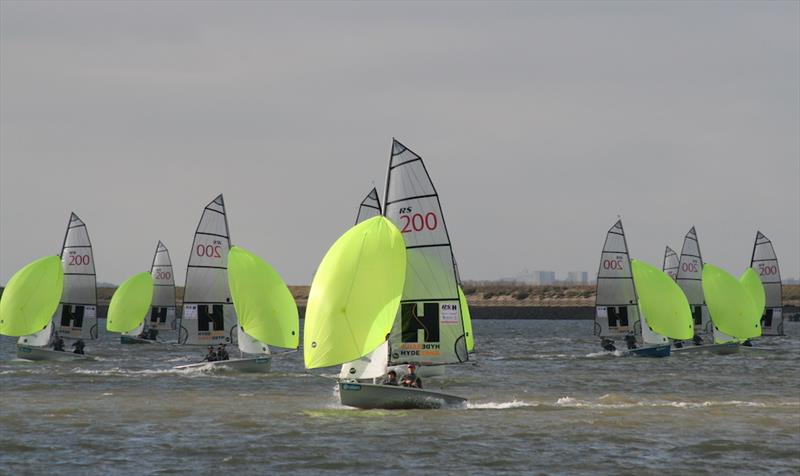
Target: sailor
<point x="678" y="344"/>
<point x="608" y="345"/>
<point x="211" y="356"/>
<point x="697" y="340"/>
<point x="79" y="346"/>
<point x="222" y="354"/>
<point x="410" y="379"/>
<point x="152" y="333"/>
<point x="58" y="344"/>
<point x="630" y="341"/>
<point x="747" y="343"/>
<point x="391" y="378"/>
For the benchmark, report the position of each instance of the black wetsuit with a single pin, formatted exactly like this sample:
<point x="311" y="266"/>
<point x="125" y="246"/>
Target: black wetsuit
<point x="79" y="345"/>
<point x="697" y="340"/>
<point x="58" y="345"/>
<point x="678" y="344"/>
<point x="390" y="382"/>
<point x="222" y="354"/>
<point x="210" y="357"/>
<point x="608" y="345"/>
<point x="630" y="341"/>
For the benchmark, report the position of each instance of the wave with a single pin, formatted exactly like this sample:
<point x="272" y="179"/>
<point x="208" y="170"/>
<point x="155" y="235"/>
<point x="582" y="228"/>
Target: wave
<point x="499" y="405"/>
<point x="612" y="401"/>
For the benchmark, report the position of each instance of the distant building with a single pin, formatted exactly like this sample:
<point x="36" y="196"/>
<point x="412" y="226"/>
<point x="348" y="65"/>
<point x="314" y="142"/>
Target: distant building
<point x="578" y="277"/>
<point x="544" y="277"/>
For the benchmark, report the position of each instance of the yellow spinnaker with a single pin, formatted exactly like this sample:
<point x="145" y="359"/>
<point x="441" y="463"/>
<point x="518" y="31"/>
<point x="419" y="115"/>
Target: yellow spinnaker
<point x="732" y="307"/>
<point x="130" y="303"/>
<point x="662" y="302"/>
<point x="265" y="307"/>
<point x="355" y="294"/>
<point x="31" y="297"/>
<point x="462" y="301"/>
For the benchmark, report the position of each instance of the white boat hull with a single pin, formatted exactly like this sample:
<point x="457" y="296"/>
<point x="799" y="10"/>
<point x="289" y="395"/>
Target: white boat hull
<point x="262" y="364"/>
<point x="28" y="352"/>
<point x="720" y="349"/>
<point x="391" y="397"/>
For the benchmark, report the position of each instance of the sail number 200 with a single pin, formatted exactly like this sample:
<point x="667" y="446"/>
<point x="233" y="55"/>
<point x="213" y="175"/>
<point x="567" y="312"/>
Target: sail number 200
<point x="417" y="221"/>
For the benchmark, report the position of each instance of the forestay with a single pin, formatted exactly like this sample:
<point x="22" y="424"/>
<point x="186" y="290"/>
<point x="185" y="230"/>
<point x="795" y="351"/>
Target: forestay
<point x="76" y="316"/>
<point x="370" y="207"/>
<point x="616" y="310"/>
<point x="429" y="328"/>
<point x="671" y="263"/>
<point x="765" y="262"/>
<point x="162" y="312"/>
<point x="208" y="315"/>
<point x="689" y="278"/>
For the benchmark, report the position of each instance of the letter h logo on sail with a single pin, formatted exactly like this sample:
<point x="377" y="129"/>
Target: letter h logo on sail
<point x="412" y="322"/>
<point x="71" y="317"/>
<point x="205" y="318"/>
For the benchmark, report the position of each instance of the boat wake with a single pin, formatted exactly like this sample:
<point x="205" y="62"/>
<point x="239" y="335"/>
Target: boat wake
<point x="616" y="402"/>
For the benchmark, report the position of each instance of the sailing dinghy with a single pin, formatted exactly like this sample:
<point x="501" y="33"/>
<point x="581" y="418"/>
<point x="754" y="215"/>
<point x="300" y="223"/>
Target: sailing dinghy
<point x="616" y="303"/>
<point x="765" y="262"/>
<point x="352" y="306"/>
<point x="162" y="316"/>
<point x="27" y="306"/>
<point x="76" y="315"/>
<point x="266" y="311"/>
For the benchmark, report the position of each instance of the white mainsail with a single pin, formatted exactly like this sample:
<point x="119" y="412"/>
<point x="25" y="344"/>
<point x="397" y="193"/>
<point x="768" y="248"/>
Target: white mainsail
<point x="616" y="308"/>
<point x="76" y="316"/>
<point x="429" y="328"/>
<point x="690" y="278"/>
<point x="162" y="310"/>
<point x="765" y="262"/>
<point x="369" y="207"/>
<point x="208" y="315"/>
<point x="671" y="263"/>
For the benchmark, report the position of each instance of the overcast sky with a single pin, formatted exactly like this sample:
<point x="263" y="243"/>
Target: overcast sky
<point x="538" y="122"/>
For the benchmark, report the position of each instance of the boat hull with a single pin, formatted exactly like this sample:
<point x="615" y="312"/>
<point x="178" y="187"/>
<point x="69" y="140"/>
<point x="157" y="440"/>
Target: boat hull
<point x="390" y="397"/>
<point x="261" y="364"/>
<point x="28" y="352"/>
<point x="654" y="351"/>
<point x="720" y="349"/>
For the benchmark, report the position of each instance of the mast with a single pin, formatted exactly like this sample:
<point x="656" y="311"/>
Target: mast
<point x="429" y="328"/>
<point x="208" y="315"/>
<point x="616" y="309"/>
<point x="765" y="263"/>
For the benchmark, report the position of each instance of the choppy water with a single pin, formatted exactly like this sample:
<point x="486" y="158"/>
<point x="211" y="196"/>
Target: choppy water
<point x="542" y="402"/>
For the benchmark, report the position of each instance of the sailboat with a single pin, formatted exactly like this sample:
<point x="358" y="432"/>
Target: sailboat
<point x="671" y="263"/>
<point x="663" y="309"/>
<point x="162" y="310"/>
<point x="266" y="311"/>
<point x="765" y="263"/>
<point x="352" y="307"/>
<point x="31" y="297"/>
<point x="130" y="305"/>
<point x="736" y="305"/>
<point x="689" y="277"/>
<point x="616" y="302"/>
<point x="208" y="316"/>
<point x="76" y="315"/>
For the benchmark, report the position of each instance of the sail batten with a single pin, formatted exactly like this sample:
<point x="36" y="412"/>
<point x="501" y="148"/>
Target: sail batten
<point x="765" y="263"/>
<point x="208" y="315"/>
<point x="429" y="327"/>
